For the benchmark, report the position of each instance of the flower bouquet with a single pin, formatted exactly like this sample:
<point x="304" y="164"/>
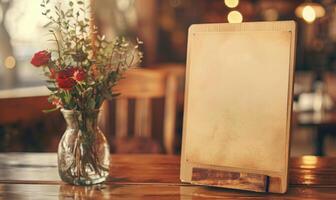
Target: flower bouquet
<point x="81" y="72"/>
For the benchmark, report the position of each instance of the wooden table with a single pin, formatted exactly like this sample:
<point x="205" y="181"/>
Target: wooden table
<point x="34" y="176"/>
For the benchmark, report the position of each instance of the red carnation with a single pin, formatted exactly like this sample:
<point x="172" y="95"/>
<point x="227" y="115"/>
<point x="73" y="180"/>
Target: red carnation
<point x="41" y="58"/>
<point x="79" y="75"/>
<point x="64" y="79"/>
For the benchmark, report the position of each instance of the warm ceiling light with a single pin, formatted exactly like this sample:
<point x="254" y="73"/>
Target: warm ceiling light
<point x="310" y="11"/>
<point x="235" y="17"/>
<point x="308" y="14"/>
<point x="231" y="3"/>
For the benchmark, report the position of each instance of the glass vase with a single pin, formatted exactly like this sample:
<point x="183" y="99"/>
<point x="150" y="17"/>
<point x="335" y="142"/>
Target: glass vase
<point x="83" y="152"/>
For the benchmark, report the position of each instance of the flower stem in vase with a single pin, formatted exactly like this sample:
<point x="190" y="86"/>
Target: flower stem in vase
<point x="80" y="76"/>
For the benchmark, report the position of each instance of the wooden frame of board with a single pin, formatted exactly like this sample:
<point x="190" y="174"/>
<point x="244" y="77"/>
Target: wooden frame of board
<point x="238" y="104"/>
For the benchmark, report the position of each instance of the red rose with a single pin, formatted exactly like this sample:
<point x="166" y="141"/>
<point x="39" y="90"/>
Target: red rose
<point x="79" y="75"/>
<point x="40" y="58"/>
<point x="64" y="79"/>
<point x="66" y="84"/>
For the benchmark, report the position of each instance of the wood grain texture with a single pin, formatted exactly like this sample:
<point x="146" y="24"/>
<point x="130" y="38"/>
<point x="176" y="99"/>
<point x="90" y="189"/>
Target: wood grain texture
<point x="150" y="192"/>
<point x="235" y="180"/>
<point x="35" y="176"/>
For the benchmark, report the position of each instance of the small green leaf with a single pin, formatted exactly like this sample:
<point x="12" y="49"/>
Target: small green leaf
<point x="52" y="88"/>
<point x="47" y="24"/>
<point x="50" y="110"/>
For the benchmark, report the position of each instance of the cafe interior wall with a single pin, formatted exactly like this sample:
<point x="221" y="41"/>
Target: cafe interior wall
<point x="162" y="25"/>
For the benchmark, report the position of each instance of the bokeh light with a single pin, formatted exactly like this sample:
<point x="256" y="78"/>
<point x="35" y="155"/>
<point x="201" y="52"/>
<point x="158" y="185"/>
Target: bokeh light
<point x="308" y="14"/>
<point x="231" y="3"/>
<point x="235" y="17"/>
<point x="10" y="62"/>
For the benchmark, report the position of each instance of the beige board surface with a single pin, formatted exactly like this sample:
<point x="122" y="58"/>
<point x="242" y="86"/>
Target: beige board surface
<point x="238" y="97"/>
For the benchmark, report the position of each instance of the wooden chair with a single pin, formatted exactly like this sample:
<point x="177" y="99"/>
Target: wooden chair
<point x="142" y="86"/>
<point x="178" y="71"/>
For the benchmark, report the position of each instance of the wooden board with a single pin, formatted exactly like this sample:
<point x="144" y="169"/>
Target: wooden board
<point x="235" y="180"/>
<point x="238" y="101"/>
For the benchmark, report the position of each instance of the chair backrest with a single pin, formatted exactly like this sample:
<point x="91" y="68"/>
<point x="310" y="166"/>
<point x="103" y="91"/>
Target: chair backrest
<point x="143" y="85"/>
<point x="24" y="104"/>
<point x="23" y="124"/>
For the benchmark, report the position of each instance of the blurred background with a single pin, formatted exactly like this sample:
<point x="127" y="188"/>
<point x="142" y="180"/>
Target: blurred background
<point x="163" y="26"/>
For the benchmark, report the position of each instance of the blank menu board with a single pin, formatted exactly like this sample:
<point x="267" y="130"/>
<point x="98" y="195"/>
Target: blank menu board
<point x="238" y="99"/>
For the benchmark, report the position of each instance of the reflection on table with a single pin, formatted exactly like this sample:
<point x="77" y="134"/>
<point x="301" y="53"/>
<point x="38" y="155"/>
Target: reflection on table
<point x="34" y="176"/>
